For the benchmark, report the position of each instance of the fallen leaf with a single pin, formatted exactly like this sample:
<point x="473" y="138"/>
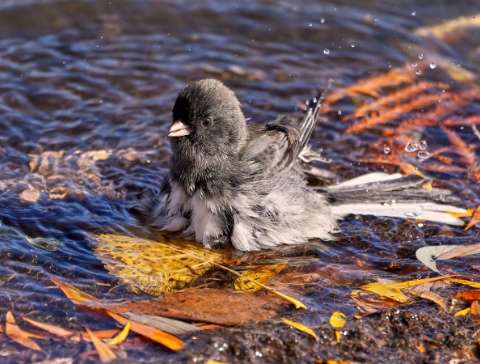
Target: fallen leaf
<point x="30" y="195"/>
<point x="74" y="294"/>
<point x="218" y="306"/>
<point x="393" y="291"/>
<point x="368" y="305"/>
<point x="434" y="297"/>
<point x="474" y="220"/>
<point x="122" y="335"/>
<point x="463" y="312"/>
<point x="468" y="295"/>
<point x="248" y="280"/>
<point x="20" y="336"/>
<point x="51" y="329"/>
<point x="442" y="29"/>
<point x="101" y="334"/>
<point x="169" y="341"/>
<point x="465" y="282"/>
<point x="155" y="266"/>
<point x="295" y="302"/>
<point x="475" y="308"/>
<point x="427" y="254"/>
<point x="104" y="352"/>
<point x="338" y="321"/>
<point x="172" y="326"/>
<point x="300" y="327"/>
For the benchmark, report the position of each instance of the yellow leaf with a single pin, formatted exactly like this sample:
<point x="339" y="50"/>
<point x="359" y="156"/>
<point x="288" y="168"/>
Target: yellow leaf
<point x="213" y="361"/>
<point x="300" y="327"/>
<point x="298" y="304"/>
<point x="104" y="352"/>
<point x="155" y="266"/>
<point x="463" y="312"/>
<point x="248" y="279"/>
<point x="386" y="290"/>
<point x="122" y="335"/>
<point x="465" y="282"/>
<point x="338" y="320"/>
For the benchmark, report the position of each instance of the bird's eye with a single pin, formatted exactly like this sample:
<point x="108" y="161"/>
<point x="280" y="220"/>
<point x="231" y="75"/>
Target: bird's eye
<point x="206" y="122"/>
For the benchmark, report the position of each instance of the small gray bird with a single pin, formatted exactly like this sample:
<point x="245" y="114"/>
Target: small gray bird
<point x="245" y="185"/>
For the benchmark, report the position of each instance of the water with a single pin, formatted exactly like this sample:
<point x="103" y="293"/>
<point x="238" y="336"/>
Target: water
<point x="86" y="89"/>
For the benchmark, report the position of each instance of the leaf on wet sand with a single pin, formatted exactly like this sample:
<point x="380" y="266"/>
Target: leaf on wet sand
<point x="248" y="279"/>
<point x="20" y="336"/>
<point x="368" y="304"/>
<point x="155" y="266"/>
<point x="338" y="321"/>
<point x="51" y="329"/>
<point x="105" y="354"/>
<point x="300" y="327"/>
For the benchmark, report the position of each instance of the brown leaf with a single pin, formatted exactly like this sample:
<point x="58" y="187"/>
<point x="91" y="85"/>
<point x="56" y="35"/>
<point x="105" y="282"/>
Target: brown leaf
<point x="218" y="306"/>
<point x="51" y="329"/>
<point x="104" y="352"/>
<point x="368" y="304"/>
<point x="20" y="336"/>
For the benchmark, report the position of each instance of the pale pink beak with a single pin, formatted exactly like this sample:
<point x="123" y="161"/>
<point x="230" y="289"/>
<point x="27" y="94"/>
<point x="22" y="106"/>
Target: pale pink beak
<point x="178" y="129"/>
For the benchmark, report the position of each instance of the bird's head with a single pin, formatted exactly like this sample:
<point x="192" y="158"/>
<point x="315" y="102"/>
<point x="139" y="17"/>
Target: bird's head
<point x="207" y="120"/>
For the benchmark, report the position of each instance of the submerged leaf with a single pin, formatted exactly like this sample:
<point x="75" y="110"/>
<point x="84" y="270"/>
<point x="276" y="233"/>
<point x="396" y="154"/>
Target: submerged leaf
<point x="468" y="295"/>
<point x="167" y="340"/>
<point x="248" y="279"/>
<point x="155" y="267"/>
<point x="18" y="335"/>
<point x="104" y="352"/>
<point x="122" y="335"/>
<point x="51" y="329"/>
<point x="300" y="327"/>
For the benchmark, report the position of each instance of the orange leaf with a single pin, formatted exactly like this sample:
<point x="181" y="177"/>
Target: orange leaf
<point x="474" y="220"/>
<point x="51" y="329"/>
<point x="72" y="293"/>
<point x="475" y="308"/>
<point x="104" y="352"/>
<point x="169" y="341"/>
<point x="20" y="336"/>
<point x="468" y="295"/>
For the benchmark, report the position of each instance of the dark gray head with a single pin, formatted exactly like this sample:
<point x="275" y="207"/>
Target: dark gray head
<point x="208" y="120"/>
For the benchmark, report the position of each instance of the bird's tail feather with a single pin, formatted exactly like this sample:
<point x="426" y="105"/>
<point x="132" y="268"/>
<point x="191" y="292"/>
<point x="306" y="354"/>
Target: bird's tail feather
<point x="381" y="194"/>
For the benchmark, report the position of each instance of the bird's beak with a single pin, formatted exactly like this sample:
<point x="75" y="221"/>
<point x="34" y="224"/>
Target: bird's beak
<point x="178" y="129"/>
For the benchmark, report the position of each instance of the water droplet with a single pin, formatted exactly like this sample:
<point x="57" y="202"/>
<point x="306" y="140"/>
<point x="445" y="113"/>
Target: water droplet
<point x="387" y="149"/>
<point x="422" y="145"/>
<point x="322" y="20"/>
<point x="411" y="214"/>
<point x="432" y="66"/>
<point x="411" y="147"/>
<point x="423" y="155"/>
<point x="420" y="224"/>
<point x="326" y="51"/>
<point x="258" y="354"/>
<point x="339" y="112"/>
<point x="353" y="45"/>
<point x="420" y="56"/>
<point x="310" y="25"/>
<point x="413" y="13"/>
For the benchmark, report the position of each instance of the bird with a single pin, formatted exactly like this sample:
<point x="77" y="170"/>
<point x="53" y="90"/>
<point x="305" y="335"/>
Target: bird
<point x="245" y="184"/>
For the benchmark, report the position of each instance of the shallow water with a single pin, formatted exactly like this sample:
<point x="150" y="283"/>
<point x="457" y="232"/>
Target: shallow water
<point x="86" y="89"/>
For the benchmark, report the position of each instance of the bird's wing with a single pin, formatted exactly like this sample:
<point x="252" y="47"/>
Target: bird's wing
<point x="277" y="145"/>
